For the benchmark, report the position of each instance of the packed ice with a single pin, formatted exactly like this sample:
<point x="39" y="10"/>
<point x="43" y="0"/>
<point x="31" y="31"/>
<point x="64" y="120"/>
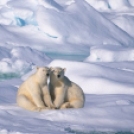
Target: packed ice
<point x="92" y="39"/>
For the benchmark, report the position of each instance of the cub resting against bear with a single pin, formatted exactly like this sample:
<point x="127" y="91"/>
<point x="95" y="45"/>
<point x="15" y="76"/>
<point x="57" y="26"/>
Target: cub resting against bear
<point x="35" y="95"/>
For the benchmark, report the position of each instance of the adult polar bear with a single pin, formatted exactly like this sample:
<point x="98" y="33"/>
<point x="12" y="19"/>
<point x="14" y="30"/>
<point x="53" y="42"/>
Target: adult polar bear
<point x="34" y="94"/>
<point x="64" y="93"/>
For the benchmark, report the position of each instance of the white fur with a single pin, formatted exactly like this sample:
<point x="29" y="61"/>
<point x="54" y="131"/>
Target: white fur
<point x="64" y="93"/>
<point x="34" y="94"/>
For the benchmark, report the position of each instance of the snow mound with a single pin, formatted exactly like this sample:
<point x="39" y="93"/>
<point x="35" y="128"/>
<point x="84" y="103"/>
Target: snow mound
<point x="4" y="53"/>
<point x="30" y="55"/>
<point x="131" y="2"/>
<point x="99" y="4"/>
<point x="12" y="12"/>
<point x="52" y="5"/>
<point x="114" y="4"/>
<point x="3" y="2"/>
<point x="80" y="23"/>
<point x="125" y="22"/>
<point x="119" y="12"/>
<point x="106" y="5"/>
<point x="19" y="60"/>
<point x="81" y="26"/>
<point x="97" y="79"/>
<point x="108" y="53"/>
<point x="4" y="131"/>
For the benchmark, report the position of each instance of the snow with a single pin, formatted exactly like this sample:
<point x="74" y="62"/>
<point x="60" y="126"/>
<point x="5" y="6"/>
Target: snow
<point x="98" y="79"/>
<point x="118" y="4"/>
<point x="104" y="113"/>
<point x="131" y="2"/>
<point x="20" y="60"/>
<point x="92" y="39"/>
<point x="119" y="12"/>
<point x="78" y="23"/>
<point x="125" y="22"/>
<point x="108" y="53"/>
<point x="50" y="4"/>
<point x="104" y="5"/>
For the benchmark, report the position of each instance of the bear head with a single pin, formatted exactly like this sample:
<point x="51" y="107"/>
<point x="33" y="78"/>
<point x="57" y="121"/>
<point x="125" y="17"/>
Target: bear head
<point x="57" y="73"/>
<point x="43" y="72"/>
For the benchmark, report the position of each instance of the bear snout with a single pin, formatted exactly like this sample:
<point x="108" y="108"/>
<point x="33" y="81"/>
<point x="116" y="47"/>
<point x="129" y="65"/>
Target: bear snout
<point x="47" y="74"/>
<point x="58" y="76"/>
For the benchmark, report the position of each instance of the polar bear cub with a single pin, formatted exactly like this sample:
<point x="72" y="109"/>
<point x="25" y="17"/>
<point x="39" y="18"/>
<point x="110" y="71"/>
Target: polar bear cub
<point x="34" y="94"/>
<point x="64" y="93"/>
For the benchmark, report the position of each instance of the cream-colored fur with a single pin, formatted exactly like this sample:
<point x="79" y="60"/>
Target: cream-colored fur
<point x="34" y="94"/>
<point x="64" y="93"/>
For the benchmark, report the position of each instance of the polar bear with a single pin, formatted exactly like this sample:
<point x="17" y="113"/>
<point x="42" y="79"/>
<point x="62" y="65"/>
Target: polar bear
<point x="34" y="94"/>
<point x="64" y="93"/>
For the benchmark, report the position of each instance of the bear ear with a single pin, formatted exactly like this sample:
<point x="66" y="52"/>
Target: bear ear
<point x="47" y="68"/>
<point x="64" y="69"/>
<point x="51" y="69"/>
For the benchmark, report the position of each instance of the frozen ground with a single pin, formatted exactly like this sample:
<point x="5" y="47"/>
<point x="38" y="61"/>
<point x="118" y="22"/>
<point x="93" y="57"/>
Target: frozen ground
<point x="102" y="113"/>
<point x="92" y="39"/>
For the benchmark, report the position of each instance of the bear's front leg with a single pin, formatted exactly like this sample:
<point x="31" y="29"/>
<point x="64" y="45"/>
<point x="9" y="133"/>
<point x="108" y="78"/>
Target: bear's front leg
<point x="38" y="101"/>
<point x="36" y="95"/>
<point x="48" y="101"/>
<point x="47" y="98"/>
<point x="59" y="97"/>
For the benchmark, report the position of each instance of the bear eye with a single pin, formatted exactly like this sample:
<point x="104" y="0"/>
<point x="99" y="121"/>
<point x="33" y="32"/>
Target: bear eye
<point x="47" y="74"/>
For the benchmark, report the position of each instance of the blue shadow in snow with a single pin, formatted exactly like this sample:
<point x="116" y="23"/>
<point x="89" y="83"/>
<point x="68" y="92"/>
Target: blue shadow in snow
<point x="5" y="76"/>
<point x="20" y="22"/>
<point x="71" y="131"/>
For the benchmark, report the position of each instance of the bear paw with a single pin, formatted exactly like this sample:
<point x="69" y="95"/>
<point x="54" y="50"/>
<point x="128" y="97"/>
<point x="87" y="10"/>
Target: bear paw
<point x="65" y="105"/>
<point x="39" y="109"/>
